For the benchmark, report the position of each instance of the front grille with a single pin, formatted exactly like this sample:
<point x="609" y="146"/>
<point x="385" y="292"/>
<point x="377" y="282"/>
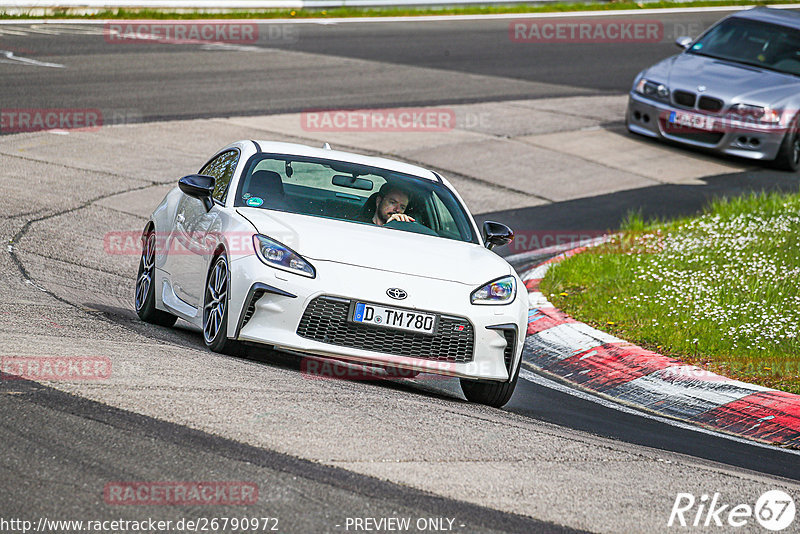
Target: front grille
<point x="684" y="98"/>
<point x="709" y="103"/>
<point x="325" y="320"/>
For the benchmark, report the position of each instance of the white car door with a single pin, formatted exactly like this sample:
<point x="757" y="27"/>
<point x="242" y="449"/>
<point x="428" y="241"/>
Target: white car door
<point x="194" y="232"/>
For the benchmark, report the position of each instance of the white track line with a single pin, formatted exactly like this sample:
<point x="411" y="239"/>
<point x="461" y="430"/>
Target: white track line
<point x="539" y="380"/>
<point x="10" y="57"/>
<point x="43" y="31"/>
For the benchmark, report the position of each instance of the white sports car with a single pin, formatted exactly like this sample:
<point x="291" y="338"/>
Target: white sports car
<point x="339" y="255"/>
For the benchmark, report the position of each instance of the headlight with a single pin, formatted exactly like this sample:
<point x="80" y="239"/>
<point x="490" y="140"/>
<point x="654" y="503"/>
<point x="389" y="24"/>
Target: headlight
<point x="759" y="113"/>
<point x="652" y="89"/>
<point x="501" y="291"/>
<point x="280" y="256"/>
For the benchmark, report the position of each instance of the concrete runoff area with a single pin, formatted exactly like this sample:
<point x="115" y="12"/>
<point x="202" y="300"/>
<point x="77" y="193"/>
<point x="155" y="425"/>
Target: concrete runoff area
<point x="67" y="294"/>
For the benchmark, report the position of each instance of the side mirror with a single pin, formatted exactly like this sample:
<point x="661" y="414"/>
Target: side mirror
<point x="683" y="42"/>
<point x="199" y="186"/>
<point x="496" y="234"/>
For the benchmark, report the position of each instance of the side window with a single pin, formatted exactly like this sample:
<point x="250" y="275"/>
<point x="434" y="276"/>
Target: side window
<point x="222" y="168"/>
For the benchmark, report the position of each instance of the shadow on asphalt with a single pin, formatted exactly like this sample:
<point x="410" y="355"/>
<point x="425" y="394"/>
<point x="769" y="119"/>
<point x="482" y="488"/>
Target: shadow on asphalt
<point x="186" y="335"/>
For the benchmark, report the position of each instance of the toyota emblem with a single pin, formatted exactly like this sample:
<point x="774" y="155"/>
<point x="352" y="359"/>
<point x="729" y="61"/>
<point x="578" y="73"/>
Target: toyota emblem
<point x="396" y="293"/>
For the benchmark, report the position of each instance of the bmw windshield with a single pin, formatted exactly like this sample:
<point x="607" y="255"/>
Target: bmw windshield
<point x="760" y="44"/>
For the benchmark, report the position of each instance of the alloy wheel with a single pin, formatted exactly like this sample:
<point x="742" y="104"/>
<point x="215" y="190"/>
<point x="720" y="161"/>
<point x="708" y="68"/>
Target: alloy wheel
<point x="215" y="300"/>
<point x="145" y="279"/>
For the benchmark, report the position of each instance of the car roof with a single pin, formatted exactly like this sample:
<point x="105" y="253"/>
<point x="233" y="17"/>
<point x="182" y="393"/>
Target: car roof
<point x="783" y="17"/>
<point x="274" y="147"/>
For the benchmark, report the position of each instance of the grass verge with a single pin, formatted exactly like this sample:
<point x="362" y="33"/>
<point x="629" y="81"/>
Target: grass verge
<point x="347" y="12"/>
<point x="719" y="290"/>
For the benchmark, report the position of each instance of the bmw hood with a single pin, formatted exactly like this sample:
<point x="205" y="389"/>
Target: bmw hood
<point x="374" y="247"/>
<point x="728" y="81"/>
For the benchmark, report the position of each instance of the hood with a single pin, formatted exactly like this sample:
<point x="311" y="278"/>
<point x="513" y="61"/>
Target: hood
<point x="374" y="247"/>
<point x="728" y="81"/>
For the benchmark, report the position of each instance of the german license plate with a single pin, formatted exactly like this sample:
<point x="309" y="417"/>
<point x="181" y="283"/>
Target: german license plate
<point x="423" y="323"/>
<point x="691" y="120"/>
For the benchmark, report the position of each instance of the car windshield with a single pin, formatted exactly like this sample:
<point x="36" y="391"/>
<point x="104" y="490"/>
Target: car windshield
<point x="349" y="192"/>
<point x="763" y="45"/>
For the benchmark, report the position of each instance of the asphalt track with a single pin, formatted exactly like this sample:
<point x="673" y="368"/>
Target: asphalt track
<point x="400" y="64"/>
<point x="176" y="81"/>
<point x="56" y="437"/>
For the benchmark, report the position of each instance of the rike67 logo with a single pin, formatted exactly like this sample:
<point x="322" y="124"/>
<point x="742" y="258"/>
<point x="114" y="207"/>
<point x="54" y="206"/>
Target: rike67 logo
<point x="774" y="510"/>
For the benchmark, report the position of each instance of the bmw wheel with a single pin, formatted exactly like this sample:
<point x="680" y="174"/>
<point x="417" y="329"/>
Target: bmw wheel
<point x="788" y="158"/>
<point x="215" y="308"/>
<point x="145" y="298"/>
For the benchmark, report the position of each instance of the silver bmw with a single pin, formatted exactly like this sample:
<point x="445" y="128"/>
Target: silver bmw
<point x="735" y="89"/>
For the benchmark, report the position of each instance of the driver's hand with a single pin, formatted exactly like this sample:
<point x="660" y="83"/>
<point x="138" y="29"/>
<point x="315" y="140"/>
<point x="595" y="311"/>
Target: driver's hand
<point x="402" y="217"/>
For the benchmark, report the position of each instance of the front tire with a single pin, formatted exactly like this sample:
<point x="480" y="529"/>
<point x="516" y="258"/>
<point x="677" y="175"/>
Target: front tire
<point x="490" y="392"/>
<point x="145" y="297"/>
<point x="215" y="308"/>
<point x="788" y="158"/>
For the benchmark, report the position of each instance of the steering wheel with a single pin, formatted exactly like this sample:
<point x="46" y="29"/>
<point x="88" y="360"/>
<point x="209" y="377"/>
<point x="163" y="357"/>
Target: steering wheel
<point x="413" y="227"/>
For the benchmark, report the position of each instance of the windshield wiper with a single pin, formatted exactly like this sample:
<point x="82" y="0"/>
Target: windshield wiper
<point x="764" y="67"/>
<point x="742" y="62"/>
<point x="698" y="53"/>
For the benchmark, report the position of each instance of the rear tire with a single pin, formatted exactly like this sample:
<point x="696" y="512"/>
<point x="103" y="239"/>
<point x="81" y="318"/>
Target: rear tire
<point x="145" y="296"/>
<point x="490" y="392"/>
<point x="215" y="308"/>
<point x="788" y="158"/>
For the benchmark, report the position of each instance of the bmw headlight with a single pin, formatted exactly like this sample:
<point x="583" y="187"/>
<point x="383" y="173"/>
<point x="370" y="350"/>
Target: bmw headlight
<point x="280" y="256"/>
<point x="759" y="113"/>
<point x="652" y="89"/>
<point x="500" y="291"/>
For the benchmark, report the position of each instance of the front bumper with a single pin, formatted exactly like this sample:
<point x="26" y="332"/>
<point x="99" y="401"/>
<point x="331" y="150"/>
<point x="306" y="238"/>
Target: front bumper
<point x="274" y="317"/>
<point x="747" y="140"/>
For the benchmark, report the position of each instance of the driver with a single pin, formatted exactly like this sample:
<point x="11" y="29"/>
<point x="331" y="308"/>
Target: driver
<point x="390" y="205"/>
